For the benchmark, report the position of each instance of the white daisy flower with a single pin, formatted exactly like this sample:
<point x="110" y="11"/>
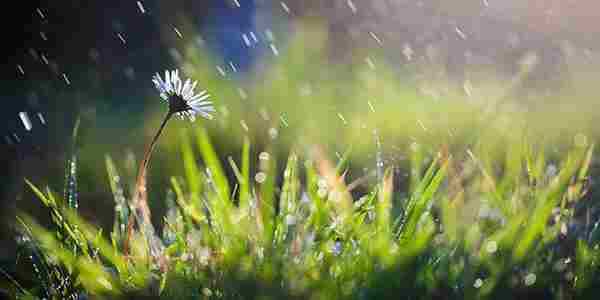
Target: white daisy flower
<point x="182" y="99"/>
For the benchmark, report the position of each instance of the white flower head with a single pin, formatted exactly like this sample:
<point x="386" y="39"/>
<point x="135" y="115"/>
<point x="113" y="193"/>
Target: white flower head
<point x="182" y="99"/>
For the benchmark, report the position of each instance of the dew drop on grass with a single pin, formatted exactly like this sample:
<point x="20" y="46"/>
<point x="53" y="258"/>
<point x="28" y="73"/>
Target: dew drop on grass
<point x="491" y="247"/>
<point x="273" y="133"/>
<point x="260" y="177"/>
<point x="264" y="156"/>
<point x="530" y="279"/>
<point x="478" y="283"/>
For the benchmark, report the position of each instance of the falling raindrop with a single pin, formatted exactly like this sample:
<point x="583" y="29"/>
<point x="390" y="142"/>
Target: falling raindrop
<point x="342" y="118"/>
<point x="285" y="7"/>
<point x="376" y="38"/>
<point x="242" y="93"/>
<point x="66" y="79"/>
<point x="232" y="66"/>
<point x="274" y="49"/>
<point x="269" y="34"/>
<point x="246" y="40"/>
<point x="141" y="7"/>
<point x="221" y="71"/>
<point x="26" y="121"/>
<point x="44" y="58"/>
<point x="253" y="36"/>
<point x="370" y="63"/>
<point x="460" y="33"/>
<point x="177" y="32"/>
<point x="351" y="6"/>
<point x="371" y="106"/>
<point x="40" y="13"/>
<point x="121" y="38"/>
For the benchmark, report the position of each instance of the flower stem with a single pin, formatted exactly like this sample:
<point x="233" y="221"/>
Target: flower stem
<point x="141" y="211"/>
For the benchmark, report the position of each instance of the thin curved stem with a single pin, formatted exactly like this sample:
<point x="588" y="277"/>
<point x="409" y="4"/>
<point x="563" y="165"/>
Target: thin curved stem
<point x="140" y="204"/>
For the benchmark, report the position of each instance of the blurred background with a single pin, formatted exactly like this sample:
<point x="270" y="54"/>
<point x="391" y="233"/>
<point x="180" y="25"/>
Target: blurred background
<point x="341" y="73"/>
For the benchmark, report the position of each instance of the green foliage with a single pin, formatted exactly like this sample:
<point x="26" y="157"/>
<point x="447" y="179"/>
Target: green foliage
<point x="284" y="236"/>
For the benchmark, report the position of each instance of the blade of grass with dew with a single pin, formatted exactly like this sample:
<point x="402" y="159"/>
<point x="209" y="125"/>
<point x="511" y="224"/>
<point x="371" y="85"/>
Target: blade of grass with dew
<point x="221" y="206"/>
<point x="545" y="202"/>
<point x="70" y="183"/>
<point x="288" y="201"/>
<point x="121" y="207"/>
<point x="420" y="199"/>
<point x="266" y="201"/>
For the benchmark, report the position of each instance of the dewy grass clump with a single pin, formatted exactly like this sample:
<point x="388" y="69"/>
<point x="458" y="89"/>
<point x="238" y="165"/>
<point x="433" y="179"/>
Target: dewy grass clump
<point x="463" y="230"/>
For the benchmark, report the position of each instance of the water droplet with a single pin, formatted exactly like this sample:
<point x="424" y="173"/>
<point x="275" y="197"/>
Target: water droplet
<point x="246" y="40"/>
<point x="491" y="247"/>
<point x="370" y="63"/>
<point x="260" y="177"/>
<point x="376" y="38"/>
<point x="351" y="6"/>
<point x="285" y="7"/>
<point x="26" y="121"/>
<point x="20" y="69"/>
<point x="177" y="32"/>
<point x="322" y="192"/>
<point x="460" y="33"/>
<point x="273" y="133"/>
<point x="66" y="79"/>
<point x="121" y="38"/>
<point x="264" y="156"/>
<point x="141" y="7"/>
<point x="274" y="49"/>
<point x="342" y="118"/>
<point x="530" y="279"/>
